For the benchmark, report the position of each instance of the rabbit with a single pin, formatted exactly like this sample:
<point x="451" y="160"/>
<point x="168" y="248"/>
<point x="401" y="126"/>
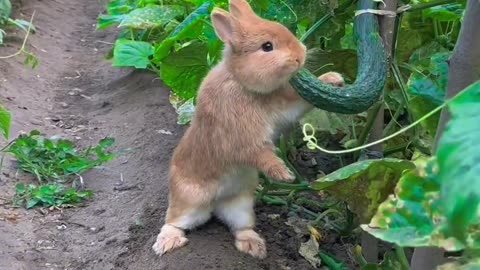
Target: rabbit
<point x="240" y="105"/>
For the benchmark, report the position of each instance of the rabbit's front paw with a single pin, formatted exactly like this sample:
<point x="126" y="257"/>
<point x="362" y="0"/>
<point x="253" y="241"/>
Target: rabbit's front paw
<point x="281" y="173"/>
<point x="250" y="242"/>
<point x="168" y="239"/>
<point x="332" y="78"/>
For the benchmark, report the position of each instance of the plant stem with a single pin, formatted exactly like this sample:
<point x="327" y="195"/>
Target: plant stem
<point x="24" y="40"/>
<point x="338" y="152"/>
<point x="315" y="26"/>
<point x="371" y="118"/>
<point x="402" y="258"/>
<point x="278" y="185"/>
<point x="395" y="116"/>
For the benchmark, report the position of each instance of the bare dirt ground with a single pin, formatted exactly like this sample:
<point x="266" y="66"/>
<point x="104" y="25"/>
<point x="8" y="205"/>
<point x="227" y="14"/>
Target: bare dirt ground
<point x="77" y="94"/>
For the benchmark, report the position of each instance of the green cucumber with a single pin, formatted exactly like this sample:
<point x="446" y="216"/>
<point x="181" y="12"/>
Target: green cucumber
<point x="371" y="75"/>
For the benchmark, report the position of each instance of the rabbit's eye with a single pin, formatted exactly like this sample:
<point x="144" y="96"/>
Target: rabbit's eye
<point x="267" y="47"/>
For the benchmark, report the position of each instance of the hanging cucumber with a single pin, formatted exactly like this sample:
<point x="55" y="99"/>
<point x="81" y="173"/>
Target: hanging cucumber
<point x="371" y="75"/>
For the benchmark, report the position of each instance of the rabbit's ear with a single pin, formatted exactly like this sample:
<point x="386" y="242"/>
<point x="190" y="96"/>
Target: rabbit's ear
<point x="240" y="8"/>
<point x="223" y="24"/>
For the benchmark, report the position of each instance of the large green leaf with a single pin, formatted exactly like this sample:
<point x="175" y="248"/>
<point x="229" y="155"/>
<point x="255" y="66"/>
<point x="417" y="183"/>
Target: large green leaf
<point x="184" y="70"/>
<point x="130" y="53"/>
<point x="5" y="122"/>
<point x="364" y="184"/>
<point x="151" y="16"/>
<point x="458" y="158"/>
<point x="182" y="31"/>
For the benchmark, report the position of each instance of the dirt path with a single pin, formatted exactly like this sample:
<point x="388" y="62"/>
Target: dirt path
<point x="75" y="93"/>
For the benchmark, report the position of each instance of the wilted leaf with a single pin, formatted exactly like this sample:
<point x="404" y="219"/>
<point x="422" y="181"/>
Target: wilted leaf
<point x="309" y="250"/>
<point x="151" y="16"/>
<point x="364" y="184"/>
<point x="413" y="216"/>
<point x="458" y="158"/>
<point x="131" y="53"/>
<point x="5" y="122"/>
<point x="184" y="70"/>
<point x="185" y="112"/>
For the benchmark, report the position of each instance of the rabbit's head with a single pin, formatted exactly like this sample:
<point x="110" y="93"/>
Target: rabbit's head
<point x="262" y="55"/>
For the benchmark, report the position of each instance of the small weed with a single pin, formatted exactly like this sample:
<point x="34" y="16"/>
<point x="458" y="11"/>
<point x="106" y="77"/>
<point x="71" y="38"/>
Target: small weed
<point x="48" y="195"/>
<point x="55" y="160"/>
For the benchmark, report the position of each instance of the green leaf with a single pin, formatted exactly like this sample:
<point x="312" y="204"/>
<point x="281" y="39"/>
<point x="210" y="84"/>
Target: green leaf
<point x="107" y="20"/>
<point x="458" y="158"/>
<point x="31" y="61"/>
<point x="2" y="34"/>
<point x="106" y="142"/>
<point x="184" y="70"/>
<point x="5" y="122"/>
<point x="364" y="184"/>
<point x="32" y="202"/>
<point x="427" y="91"/>
<point x="151" y="16"/>
<point x="261" y="4"/>
<point x="420" y="106"/>
<point x="130" y="53"/>
<point x="5" y="10"/>
<point x="444" y="13"/>
<point x="22" y="24"/>
<point x="183" y="30"/>
<point x="20" y="189"/>
<point x="331" y="262"/>
<point x="433" y="86"/>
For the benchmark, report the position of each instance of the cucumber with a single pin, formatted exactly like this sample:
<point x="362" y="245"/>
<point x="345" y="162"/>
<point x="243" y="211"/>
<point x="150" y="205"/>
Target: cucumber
<point x="371" y="75"/>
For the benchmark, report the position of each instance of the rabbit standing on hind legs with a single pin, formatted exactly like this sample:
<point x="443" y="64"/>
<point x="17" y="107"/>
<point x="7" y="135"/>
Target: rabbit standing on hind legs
<point x="241" y="103"/>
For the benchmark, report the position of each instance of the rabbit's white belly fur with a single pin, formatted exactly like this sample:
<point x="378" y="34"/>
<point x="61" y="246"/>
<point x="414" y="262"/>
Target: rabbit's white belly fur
<point x="236" y="181"/>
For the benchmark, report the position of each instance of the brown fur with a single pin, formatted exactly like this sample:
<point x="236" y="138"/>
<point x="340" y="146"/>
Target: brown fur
<point x="240" y="105"/>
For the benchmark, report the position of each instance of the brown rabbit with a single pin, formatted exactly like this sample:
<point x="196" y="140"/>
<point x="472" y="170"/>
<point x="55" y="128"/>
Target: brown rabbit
<point x="241" y="104"/>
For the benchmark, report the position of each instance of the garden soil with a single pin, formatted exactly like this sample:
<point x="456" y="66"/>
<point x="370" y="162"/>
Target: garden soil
<point x="76" y="94"/>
